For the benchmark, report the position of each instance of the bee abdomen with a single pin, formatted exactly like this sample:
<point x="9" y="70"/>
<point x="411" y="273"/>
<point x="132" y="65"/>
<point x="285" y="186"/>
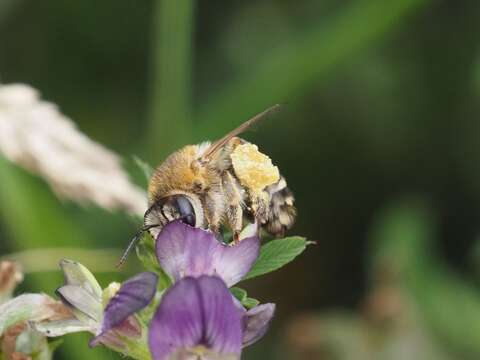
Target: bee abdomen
<point x="282" y="212"/>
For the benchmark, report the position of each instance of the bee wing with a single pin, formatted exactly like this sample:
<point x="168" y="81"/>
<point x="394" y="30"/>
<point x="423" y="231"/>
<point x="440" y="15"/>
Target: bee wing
<point x="217" y="145"/>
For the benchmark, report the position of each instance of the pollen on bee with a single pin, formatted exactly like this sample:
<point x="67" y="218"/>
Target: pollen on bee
<point x="253" y="168"/>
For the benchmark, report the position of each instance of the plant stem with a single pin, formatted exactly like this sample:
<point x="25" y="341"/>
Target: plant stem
<point x="170" y="112"/>
<point x="39" y="260"/>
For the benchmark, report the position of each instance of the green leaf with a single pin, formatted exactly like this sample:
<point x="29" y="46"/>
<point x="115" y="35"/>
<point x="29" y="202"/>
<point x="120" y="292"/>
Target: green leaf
<point x="239" y="294"/>
<point x="276" y="254"/>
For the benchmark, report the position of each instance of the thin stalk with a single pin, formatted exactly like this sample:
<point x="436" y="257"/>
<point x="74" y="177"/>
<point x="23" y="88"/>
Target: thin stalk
<point x="40" y="260"/>
<point x="170" y="99"/>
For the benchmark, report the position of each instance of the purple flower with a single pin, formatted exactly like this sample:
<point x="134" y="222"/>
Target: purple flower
<point x="197" y="319"/>
<point x="84" y="296"/>
<point x="256" y="322"/>
<point x="134" y="295"/>
<point x="183" y="251"/>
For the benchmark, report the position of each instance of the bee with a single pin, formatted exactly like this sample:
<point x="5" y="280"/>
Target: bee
<point x="219" y="185"/>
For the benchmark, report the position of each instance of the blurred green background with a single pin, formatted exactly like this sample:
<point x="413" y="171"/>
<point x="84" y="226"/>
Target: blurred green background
<point x="379" y="142"/>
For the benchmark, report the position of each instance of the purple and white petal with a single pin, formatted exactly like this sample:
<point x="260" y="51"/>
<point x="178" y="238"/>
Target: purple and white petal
<point x="62" y="327"/>
<point x="233" y="262"/>
<point x="81" y="300"/>
<point x="256" y="322"/>
<point x="78" y="275"/>
<point x="129" y="328"/>
<point x="109" y="339"/>
<point x="183" y="251"/>
<point x="222" y="317"/>
<point x="251" y="230"/>
<point x="178" y="321"/>
<point x="134" y="294"/>
<point x="196" y="312"/>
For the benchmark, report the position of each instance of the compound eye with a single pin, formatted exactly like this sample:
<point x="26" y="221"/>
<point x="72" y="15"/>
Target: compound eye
<point x="185" y="209"/>
<point x="170" y="208"/>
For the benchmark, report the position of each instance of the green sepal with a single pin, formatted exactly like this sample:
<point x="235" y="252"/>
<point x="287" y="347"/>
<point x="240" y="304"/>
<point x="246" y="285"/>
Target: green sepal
<point x="250" y="303"/>
<point x="146" y="314"/>
<point x="241" y="295"/>
<point x="146" y="253"/>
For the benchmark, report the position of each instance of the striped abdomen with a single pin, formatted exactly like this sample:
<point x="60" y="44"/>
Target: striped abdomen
<point x="282" y="212"/>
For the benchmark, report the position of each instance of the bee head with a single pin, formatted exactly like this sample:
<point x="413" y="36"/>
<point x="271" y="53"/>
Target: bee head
<point x="165" y="210"/>
<point x="186" y="208"/>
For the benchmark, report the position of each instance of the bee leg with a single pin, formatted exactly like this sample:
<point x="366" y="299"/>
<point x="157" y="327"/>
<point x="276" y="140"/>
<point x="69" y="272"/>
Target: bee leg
<point x="213" y="211"/>
<point x="234" y="211"/>
<point x="235" y="221"/>
<point x="236" y="237"/>
<point x="260" y="208"/>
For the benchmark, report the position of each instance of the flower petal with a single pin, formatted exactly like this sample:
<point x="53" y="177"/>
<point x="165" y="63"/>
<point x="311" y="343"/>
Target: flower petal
<point x="178" y="321"/>
<point x="221" y="316"/>
<point x="60" y="327"/>
<point x="251" y="230"/>
<point x="129" y="328"/>
<point x="256" y="322"/>
<point x="232" y="263"/>
<point x="183" y="250"/>
<point x="109" y="339"/>
<point x="79" y="299"/>
<point x="77" y="274"/>
<point x="196" y="312"/>
<point x="135" y="294"/>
